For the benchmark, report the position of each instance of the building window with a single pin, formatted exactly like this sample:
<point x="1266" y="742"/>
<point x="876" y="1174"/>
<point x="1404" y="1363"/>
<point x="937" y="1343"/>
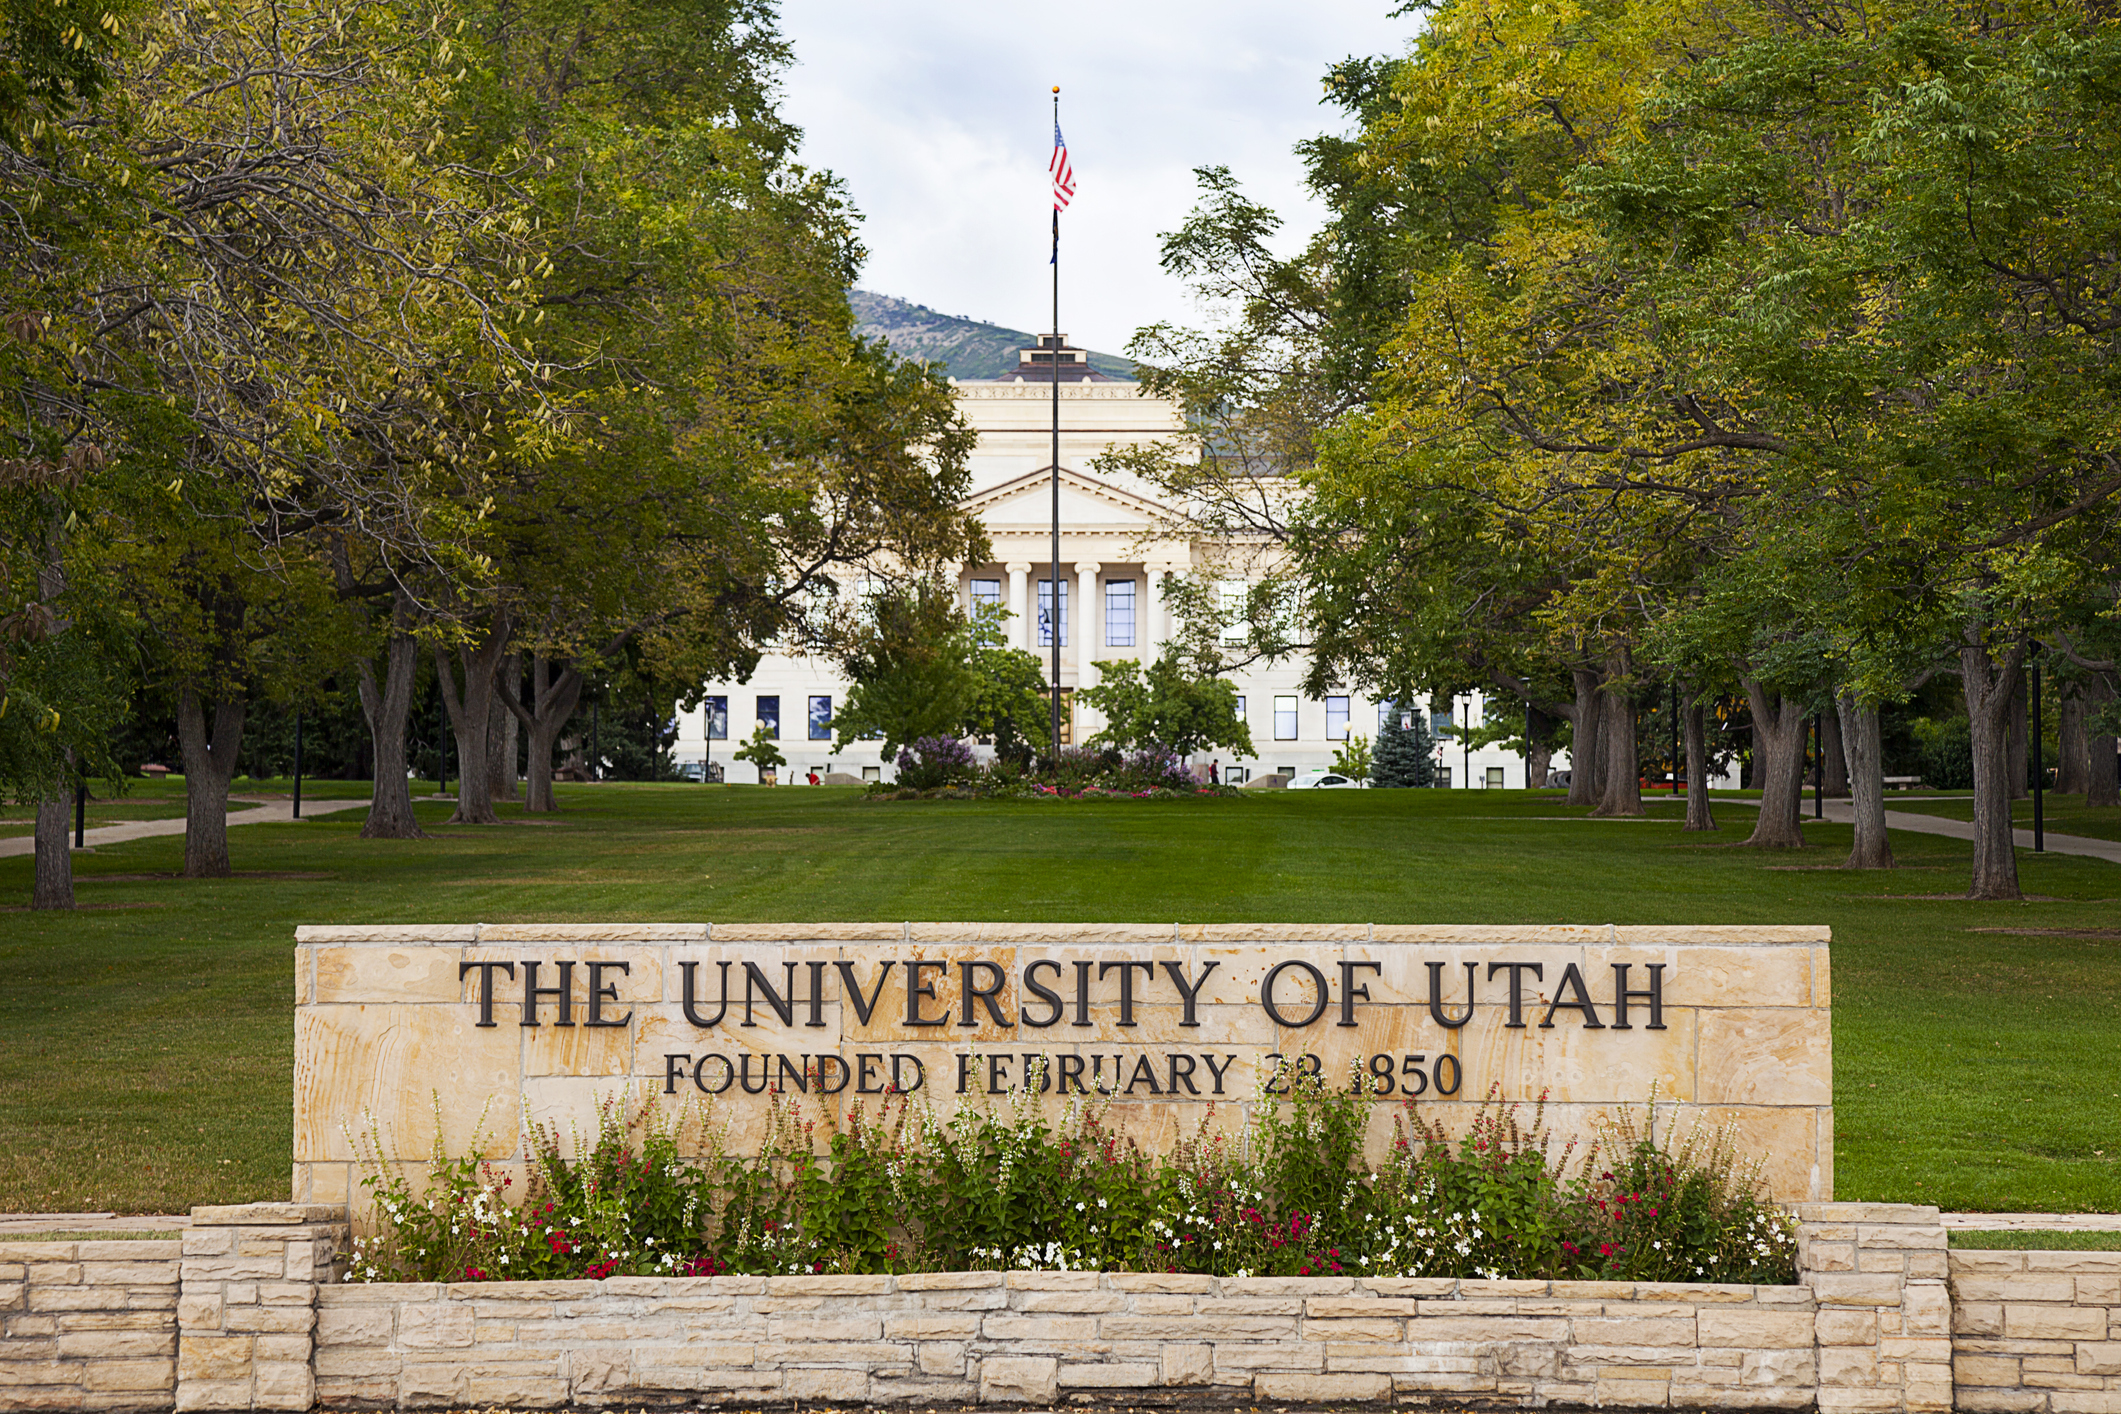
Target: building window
<point x="716" y="711"/>
<point x="1235" y="627"/>
<point x="821" y="719"/>
<point x="769" y="716"/>
<point x="1443" y="777"/>
<point x="1045" y="613"/>
<point x="1119" y="613"/>
<point x="1240" y="698"/>
<point x="1336" y="719"/>
<point x="1235" y="775"/>
<point x="1494" y="778"/>
<point x="1285" y="719"/>
<point x="986" y="591"/>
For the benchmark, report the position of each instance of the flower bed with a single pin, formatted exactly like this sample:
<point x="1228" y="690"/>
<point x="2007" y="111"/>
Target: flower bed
<point x="904" y="1190"/>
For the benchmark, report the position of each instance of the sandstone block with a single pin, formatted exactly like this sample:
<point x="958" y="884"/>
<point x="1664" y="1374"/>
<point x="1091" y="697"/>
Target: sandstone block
<point x="213" y="1394"/>
<point x="2054" y="1322"/>
<point x="1248" y="1306"/>
<point x="1237" y="1357"/>
<point x="843" y="1386"/>
<point x="1018" y="1379"/>
<point x="1699" y="1293"/>
<point x="1438" y="1287"/>
<point x="2018" y="1286"/>
<point x="1494" y="1329"/>
<point x="1351" y="1330"/>
<point x="1998" y="1401"/>
<point x="1191" y="1327"/>
<point x="75" y="1298"/>
<point x="283" y="1384"/>
<point x="1725" y="1326"/>
<point x="1114" y="1376"/>
<point x="434" y="1326"/>
<point x="925" y="1325"/>
<point x="1322" y="1388"/>
<point x="1160" y="1305"/>
<point x="1187" y="1364"/>
<point x="1847" y="1366"/>
<point x="1846" y="1289"/>
<point x="357" y="1361"/>
<point x="792" y="1328"/>
<point x="1335" y="1306"/>
<point x="1634" y="1394"/>
<point x="2066" y="1401"/>
<point x="2099" y="1358"/>
<point x="131" y="1375"/>
<point x="948" y="1281"/>
<point x="1610" y="1331"/>
<point x="1922" y="1349"/>
<point x="1052" y="1281"/>
<point x="1088" y="1301"/>
<point x="1287" y="1286"/>
<point x="942" y="1357"/>
<point x="1782" y="1369"/>
<point x="921" y="1389"/>
<point x="828" y="1285"/>
<point x="1842" y="1326"/>
<point x="1926" y="1308"/>
<point x="1830" y="1257"/>
<point x="206" y="1359"/>
<point x="1173" y="1282"/>
<point x="2103" y="1290"/>
<point x="1992" y="1370"/>
<point x="1044" y="1330"/>
<point x="353" y="1325"/>
<point x="113" y="1345"/>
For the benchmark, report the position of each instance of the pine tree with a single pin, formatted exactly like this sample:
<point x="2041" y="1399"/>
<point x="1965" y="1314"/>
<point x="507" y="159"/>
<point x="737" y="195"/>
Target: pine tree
<point x="1405" y="754"/>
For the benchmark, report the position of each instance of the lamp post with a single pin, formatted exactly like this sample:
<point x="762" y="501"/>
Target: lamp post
<point x="2039" y="765"/>
<point x="298" y="764"/>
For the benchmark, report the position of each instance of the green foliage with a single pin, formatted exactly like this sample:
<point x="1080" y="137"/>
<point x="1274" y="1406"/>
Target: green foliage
<point x="1000" y="1184"/>
<point x="1406" y="755"/>
<point x="760" y="749"/>
<point x="910" y="668"/>
<point x="1354" y="759"/>
<point x="1169" y="707"/>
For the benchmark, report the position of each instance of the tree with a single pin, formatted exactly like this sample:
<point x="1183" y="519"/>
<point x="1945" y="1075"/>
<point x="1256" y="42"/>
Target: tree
<point x="911" y="670"/>
<point x="759" y="749"/>
<point x="1167" y="707"/>
<point x="1406" y="752"/>
<point x="1354" y="759"/>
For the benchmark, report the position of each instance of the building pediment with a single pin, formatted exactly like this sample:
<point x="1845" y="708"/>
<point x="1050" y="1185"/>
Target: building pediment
<point x="1085" y="503"/>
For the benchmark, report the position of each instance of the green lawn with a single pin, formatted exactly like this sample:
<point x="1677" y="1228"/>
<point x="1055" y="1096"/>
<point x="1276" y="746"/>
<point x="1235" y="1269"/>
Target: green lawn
<point x="2064" y="814"/>
<point x="148" y="1040"/>
<point x="2039" y="1241"/>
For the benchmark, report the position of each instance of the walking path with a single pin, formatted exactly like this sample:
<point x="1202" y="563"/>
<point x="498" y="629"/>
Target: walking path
<point x="266" y="811"/>
<point x="2033" y="1222"/>
<point x="1843" y="812"/>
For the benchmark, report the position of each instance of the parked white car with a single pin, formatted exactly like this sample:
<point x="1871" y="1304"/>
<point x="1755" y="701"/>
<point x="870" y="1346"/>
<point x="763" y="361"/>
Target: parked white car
<point x="1325" y="780"/>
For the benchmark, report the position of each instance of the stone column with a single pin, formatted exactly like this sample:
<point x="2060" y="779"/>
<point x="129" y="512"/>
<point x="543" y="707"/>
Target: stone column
<point x="1089" y="626"/>
<point x="247" y="1304"/>
<point x="1020" y="632"/>
<point x="1154" y="629"/>
<point x="1878" y="1275"/>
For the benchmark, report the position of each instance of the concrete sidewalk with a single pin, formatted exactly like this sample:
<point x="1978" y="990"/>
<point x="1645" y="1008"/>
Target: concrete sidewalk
<point x="1841" y="812"/>
<point x="264" y="811"/>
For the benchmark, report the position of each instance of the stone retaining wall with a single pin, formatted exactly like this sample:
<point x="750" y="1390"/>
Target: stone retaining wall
<point x="2036" y="1332"/>
<point x="1038" y="1337"/>
<point x="88" y="1325"/>
<point x="1885" y="1320"/>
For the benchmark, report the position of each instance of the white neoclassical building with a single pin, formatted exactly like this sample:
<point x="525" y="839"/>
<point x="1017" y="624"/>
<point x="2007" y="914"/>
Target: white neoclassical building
<point x="1117" y="542"/>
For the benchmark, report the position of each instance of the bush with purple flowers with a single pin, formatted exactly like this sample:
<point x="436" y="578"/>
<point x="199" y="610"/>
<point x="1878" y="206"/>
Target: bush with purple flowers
<point x="934" y="761"/>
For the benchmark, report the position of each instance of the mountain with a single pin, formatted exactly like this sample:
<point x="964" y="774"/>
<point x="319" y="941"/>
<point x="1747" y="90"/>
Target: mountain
<point x="966" y="347"/>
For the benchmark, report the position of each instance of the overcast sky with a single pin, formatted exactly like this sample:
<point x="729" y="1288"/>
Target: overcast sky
<point x="938" y="116"/>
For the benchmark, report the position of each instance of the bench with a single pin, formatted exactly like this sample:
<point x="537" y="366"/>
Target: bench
<point x="1902" y="782"/>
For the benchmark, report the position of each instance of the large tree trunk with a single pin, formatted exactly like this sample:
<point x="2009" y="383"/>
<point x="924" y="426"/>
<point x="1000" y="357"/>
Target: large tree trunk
<point x="2020" y="773"/>
<point x="387" y="709"/>
<point x="209" y="766"/>
<point x="1538" y="748"/>
<point x="2102" y="779"/>
<point x="1778" y="757"/>
<point x="1620" y="759"/>
<point x="54" y="883"/>
<point x="1699" y="816"/>
<point x="1586" y="741"/>
<point x="552" y="702"/>
<point x="2074" y="756"/>
<point x="470" y="711"/>
<point x="1836" y="763"/>
<point x="1991" y="689"/>
<point x="1866" y="766"/>
<point x="501" y="728"/>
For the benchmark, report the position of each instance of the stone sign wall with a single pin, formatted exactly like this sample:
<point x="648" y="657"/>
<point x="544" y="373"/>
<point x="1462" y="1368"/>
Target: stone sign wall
<point x="471" y="1026"/>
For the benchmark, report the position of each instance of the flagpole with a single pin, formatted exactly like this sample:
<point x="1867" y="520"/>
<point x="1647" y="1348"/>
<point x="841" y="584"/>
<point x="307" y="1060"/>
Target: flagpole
<point x="1053" y="363"/>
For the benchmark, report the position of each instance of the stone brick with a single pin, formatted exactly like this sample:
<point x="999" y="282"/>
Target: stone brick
<point x="1448" y="1286"/>
<point x="1617" y="1330"/>
<point x="353" y="1361"/>
<point x="1238" y="1356"/>
<point x="213" y="1394"/>
<point x="1191" y="1327"/>
<point x="2067" y="1401"/>
<point x="1846" y="1327"/>
<point x="2018" y="1286"/>
<point x="942" y="1357"/>
<point x="1353" y="1330"/>
<point x="1997" y="1401"/>
<point x="1845" y="1366"/>
<point x="1248" y="1305"/>
<point x="928" y="1325"/>
<point x="1173" y="1282"/>
<point x="140" y="1375"/>
<point x="1755" y="1328"/>
<point x="434" y="1325"/>
<point x="1018" y="1379"/>
<point x="1090" y="1301"/>
<point x="1161" y="1305"/>
<point x="2054" y="1322"/>
<point x="1926" y="1308"/>
<point x="210" y="1358"/>
<point x="1933" y="1350"/>
<point x="113" y="1345"/>
<point x="948" y="1281"/>
<point x="276" y="1320"/>
<point x="1322" y="1388"/>
<point x="1287" y="1286"/>
<point x="1845" y="1289"/>
<point x="2099" y="1358"/>
<point x="284" y="1384"/>
<point x="1187" y="1364"/>
<point x="1334" y="1306"/>
<point x="1977" y="1318"/>
<point x="1113" y="1376"/>
<point x="353" y="1325"/>
<point x="1993" y="1370"/>
<point x="809" y="1328"/>
<point x="845" y="1386"/>
<point x="1052" y="1281"/>
<point x="1044" y="1330"/>
<point x="828" y="1285"/>
<point x="1830" y="1257"/>
<point x="1851" y="1400"/>
<point x="1783" y="1369"/>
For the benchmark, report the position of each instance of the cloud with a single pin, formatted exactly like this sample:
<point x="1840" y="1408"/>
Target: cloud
<point x="938" y="116"/>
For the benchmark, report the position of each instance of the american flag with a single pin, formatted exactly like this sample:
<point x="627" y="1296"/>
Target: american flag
<point x="1063" y="174"/>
